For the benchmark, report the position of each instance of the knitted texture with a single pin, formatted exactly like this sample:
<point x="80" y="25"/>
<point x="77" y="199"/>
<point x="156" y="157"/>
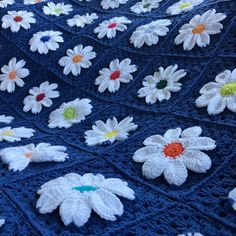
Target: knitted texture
<point x="201" y="203"/>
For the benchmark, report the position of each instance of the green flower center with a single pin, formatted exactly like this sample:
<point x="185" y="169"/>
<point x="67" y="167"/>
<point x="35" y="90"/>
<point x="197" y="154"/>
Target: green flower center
<point x="58" y="10"/>
<point x="161" y="84"/>
<point x="85" y="188"/>
<point x="185" y="5"/>
<point x="228" y="89"/>
<point x="69" y="113"/>
<point x="146" y="5"/>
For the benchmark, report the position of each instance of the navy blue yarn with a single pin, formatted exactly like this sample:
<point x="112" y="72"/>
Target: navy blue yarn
<point x="200" y="204"/>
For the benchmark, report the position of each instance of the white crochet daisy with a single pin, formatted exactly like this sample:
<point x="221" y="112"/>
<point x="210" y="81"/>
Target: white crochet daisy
<point x="18" y="158"/>
<point x="160" y="85"/>
<point x="13" y="73"/>
<point x="149" y="34"/>
<point x="15" y="134"/>
<point x="57" y="9"/>
<point x="216" y="96"/>
<point x="110" y="131"/>
<point x="78" y="195"/>
<point x="183" y="6"/>
<point x="118" y="72"/>
<point x="40" y="96"/>
<point x="145" y="6"/>
<point x="174" y="153"/>
<point x="2" y="221"/>
<point x="70" y="113"/>
<point x="199" y="29"/>
<point x="45" y="41"/>
<point x="106" y="4"/>
<point x="30" y="2"/>
<point x="4" y="3"/>
<point x="77" y="58"/>
<point x="191" y="234"/>
<point x="6" y="119"/>
<point x="82" y="20"/>
<point x="17" y="19"/>
<point x="108" y="28"/>
<point x="232" y="196"/>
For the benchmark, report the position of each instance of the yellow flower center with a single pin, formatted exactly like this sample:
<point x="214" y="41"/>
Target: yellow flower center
<point x="77" y="58"/>
<point x="7" y="133"/>
<point x="187" y="4"/>
<point x="199" y="29"/>
<point x="111" y="134"/>
<point x="228" y="89"/>
<point x="12" y="75"/>
<point x="28" y="154"/>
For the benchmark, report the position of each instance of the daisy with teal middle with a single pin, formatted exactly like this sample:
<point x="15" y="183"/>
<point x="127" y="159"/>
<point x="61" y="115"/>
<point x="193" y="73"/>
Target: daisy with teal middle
<point x="110" y="131"/>
<point x="44" y="41"/>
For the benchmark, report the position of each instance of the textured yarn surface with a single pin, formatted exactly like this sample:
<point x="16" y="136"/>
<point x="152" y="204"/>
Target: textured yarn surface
<point x="201" y="203"/>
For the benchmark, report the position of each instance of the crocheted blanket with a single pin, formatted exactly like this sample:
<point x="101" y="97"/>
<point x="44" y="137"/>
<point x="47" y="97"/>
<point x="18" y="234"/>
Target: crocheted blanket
<point x="117" y="117"/>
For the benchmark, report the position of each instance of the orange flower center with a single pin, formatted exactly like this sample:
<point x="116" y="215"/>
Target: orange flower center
<point x="18" y="18"/>
<point x="28" y="154"/>
<point x="199" y="29"/>
<point x="77" y="58"/>
<point x="173" y="150"/>
<point x="12" y="75"/>
<point x="115" y="75"/>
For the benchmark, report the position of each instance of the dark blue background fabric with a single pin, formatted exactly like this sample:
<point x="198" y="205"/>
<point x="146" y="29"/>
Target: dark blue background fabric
<point x="200" y="204"/>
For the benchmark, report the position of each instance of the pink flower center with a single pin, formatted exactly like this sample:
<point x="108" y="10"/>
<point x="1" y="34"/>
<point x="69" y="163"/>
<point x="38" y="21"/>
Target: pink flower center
<point x="18" y="18"/>
<point x="173" y="150"/>
<point x="112" y="25"/>
<point x="40" y="97"/>
<point x="115" y="75"/>
<point x="12" y="75"/>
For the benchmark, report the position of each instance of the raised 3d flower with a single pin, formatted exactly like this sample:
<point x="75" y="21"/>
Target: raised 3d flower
<point x="161" y="84"/>
<point x="145" y="6"/>
<point x="82" y="20"/>
<point x="110" y="131"/>
<point x="199" y="29"/>
<point x="15" y="134"/>
<point x="31" y="2"/>
<point x="17" y="19"/>
<point x="18" y="158"/>
<point x="216" y="96"/>
<point x="76" y="59"/>
<point x="57" y="9"/>
<point x="40" y="96"/>
<point x="6" y="119"/>
<point x="106" y="4"/>
<point x="13" y="73"/>
<point x="4" y="3"/>
<point x="78" y="195"/>
<point x="183" y="6"/>
<point x="118" y="72"/>
<point x="149" y="34"/>
<point x="70" y="113"/>
<point x="173" y="153"/>
<point x="108" y="28"/>
<point x="45" y="41"/>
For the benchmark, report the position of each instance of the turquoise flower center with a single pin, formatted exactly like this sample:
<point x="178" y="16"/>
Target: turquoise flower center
<point x="85" y="188"/>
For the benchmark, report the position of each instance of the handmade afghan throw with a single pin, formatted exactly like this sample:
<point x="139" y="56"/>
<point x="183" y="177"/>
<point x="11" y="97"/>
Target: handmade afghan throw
<point x="117" y="117"/>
